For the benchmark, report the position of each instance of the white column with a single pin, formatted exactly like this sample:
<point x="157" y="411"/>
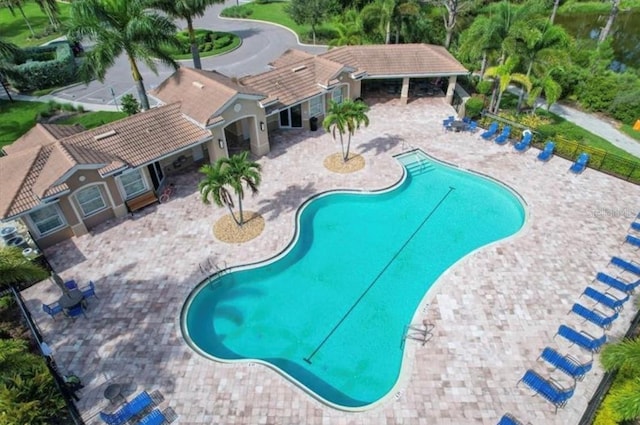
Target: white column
<point x="404" y="96"/>
<point x="450" y="89"/>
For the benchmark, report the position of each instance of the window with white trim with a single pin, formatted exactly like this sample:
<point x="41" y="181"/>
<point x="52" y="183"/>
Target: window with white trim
<point x="316" y="106"/>
<point x="47" y="219"/>
<point x="132" y="183"/>
<point x="90" y="200"/>
<point x="336" y="95"/>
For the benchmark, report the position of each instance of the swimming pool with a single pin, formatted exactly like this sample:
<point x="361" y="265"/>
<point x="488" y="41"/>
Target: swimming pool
<point x="330" y="312"/>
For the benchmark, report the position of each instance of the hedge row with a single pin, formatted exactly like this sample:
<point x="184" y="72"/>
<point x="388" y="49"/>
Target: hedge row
<point x="37" y="68"/>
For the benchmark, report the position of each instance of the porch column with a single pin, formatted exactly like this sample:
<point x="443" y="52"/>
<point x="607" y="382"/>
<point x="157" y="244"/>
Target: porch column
<point x="404" y="95"/>
<point x="450" y="89"/>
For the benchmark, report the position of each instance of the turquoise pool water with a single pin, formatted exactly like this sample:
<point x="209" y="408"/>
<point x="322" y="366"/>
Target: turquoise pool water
<point x="330" y="312"/>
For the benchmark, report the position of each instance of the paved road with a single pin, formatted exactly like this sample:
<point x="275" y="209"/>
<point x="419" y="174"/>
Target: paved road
<point x="261" y="44"/>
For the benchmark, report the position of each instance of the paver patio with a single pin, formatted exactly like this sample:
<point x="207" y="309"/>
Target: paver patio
<point x="494" y="311"/>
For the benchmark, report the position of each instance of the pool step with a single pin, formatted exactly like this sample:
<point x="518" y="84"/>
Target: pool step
<point x="420" y="167"/>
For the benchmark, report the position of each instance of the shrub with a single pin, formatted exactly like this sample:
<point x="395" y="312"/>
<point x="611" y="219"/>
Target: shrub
<point x="474" y="106"/>
<point x="484" y="87"/>
<point x="27" y="74"/>
<point x="221" y="42"/>
<point x="597" y="93"/>
<point x="130" y="105"/>
<point x="626" y="106"/>
<point x="237" y="12"/>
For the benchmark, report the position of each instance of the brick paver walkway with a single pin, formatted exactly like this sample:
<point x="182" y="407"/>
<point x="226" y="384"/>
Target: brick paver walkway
<point x="493" y="312"/>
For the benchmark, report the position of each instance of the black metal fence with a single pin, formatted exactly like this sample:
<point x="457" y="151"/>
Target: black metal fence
<point x="73" y="412"/>
<point x="599" y="159"/>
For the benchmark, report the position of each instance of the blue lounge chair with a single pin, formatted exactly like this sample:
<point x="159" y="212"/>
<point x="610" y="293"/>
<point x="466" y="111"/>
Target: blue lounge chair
<point x="594" y="316"/>
<point x="580" y="164"/>
<point x="504" y="136"/>
<point x="523" y="144"/>
<point x="509" y="419"/>
<point x="89" y="291"/>
<point x="547" y="152"/>
<point x="581" y="339"/>
<point x="630" y="239"/>
<point x="625" y="265"/>
<point x="129" y="410"/>
<point x="491" y="131"/>
<point x="618" y="284"/>
<point x="52" y="309"/>
<point x="156" y="417"/>
<point x="606" y="299"/>
<point x="568" y="364"/>
<point x="635" y="226"/>
<point x="550" y="391"/>
<point x="473" y="126"/>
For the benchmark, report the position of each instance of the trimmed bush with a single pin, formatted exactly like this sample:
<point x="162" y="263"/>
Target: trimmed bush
<point x="626" y="106"/>
<point x="221" y="42"/>
<point x="236" y="12"/>
<point x="28" y="73"/>
<point x="484" y="87"/>
<point x="474" y="106"/>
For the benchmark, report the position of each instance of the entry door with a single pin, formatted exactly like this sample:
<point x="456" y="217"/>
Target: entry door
<point x="155" y="171"/>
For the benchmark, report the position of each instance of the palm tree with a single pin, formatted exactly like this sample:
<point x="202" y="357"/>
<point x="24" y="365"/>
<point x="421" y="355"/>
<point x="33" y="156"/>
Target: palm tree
<point x="15" y="268"/>
<point x="624" y="356"/>
<point x="349" y="30"/>
<point x="547" y="86"/>
<point x="7" y="50"/>
<point x="453" y="9"/>
<point x="230" y="173"/>
<point x="345" y="117"/>
<point x="388" y="14"/>
<point x="187" y="10"/>
<point x="118" y="26"/>
<point x="505" y="76"/>
<point x="478" y="41"/>
<point x="50" y="8"/>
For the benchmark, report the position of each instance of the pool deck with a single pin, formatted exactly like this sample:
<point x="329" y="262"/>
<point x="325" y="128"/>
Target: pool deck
<point x="494" y="311"/>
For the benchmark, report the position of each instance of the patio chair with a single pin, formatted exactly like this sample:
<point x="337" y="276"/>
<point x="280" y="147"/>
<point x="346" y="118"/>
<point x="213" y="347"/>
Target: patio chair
<point x="547" y="389"/>
<point x="620" y="285"/>
<point x="52" y="309"/>
<point x="580" y="164"/>
<point x="473" y="126"/>
<point x="156" y="417"/>
<point x="128" y="410"/>
<point x="606" y="299"/>
<point x="504" y="136"/>
<point x="594" y="316"/>
<point x="71" y="284"/>
<point x="547" y="152"/>
<point x="630" y="239"/>
<point x="75" y="311"/>
<point x="446" y="123"/>
<point x="89" y="290"/>
<point x="567" y="363"/>
<point x="581" y="339"/>
<point x="509" y="419"/>
<point x="491" y="131"/>
<point x="524" y="143"/>
<point x="114" y="418"/>
<point x="625" y="265"/>
<point x="635" y="226"/>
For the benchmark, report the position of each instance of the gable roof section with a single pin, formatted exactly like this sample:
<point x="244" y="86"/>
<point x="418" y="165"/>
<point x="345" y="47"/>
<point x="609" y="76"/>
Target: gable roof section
<point x="203" y="94"/>
<point x="297" y="81"/>
<point x="382" y="60"/>
<point x="42" y="135"/>
<point x="289" y="57"/>
<point x="32" y="174"/>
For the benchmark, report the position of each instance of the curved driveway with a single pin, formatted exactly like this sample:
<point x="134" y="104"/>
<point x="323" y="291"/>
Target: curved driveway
<point x="261" y="44"/>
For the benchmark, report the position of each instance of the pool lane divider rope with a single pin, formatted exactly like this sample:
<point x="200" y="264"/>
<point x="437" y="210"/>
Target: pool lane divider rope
<point x="384" y="269"/>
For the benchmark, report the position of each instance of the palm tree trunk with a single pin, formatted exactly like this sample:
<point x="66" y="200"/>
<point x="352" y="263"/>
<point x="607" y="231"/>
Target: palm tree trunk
<point x="342" y="146"/>
<point x="612" y="17"/>
<point x="521" y="97"/>
<point x="497" y="107"/>
<point x="387" y="38"/>
<point x="556" y="3"/>
<point x="142" y="93"/>
<point x="240" y="210"/>
<point x="195" y="53"/>
<point x="483" y="65"/>
<point x="313" y="33"/>
<point x="345" y="157"/>
<point x="233" y="215"/>
<point x="493" y="94"/>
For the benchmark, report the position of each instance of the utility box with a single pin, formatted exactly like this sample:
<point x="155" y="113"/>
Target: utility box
<point x="636" y="126"/>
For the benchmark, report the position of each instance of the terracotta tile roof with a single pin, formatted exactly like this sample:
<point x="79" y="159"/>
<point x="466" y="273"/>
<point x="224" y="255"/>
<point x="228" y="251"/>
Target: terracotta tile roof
<point x="31" y="174"/>
<point x="296" y="82"/>
<point x="289" y="57"/>
<point x="37" y="136"/>
<point x="203" y="93"/>
<point x="398" y="59"/>
<point x="61" y="131"/>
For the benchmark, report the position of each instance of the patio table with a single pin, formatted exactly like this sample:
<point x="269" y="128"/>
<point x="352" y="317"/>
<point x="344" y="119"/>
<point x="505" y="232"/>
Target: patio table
<point x="458" y="125"/>
<point x="70" y="299"/>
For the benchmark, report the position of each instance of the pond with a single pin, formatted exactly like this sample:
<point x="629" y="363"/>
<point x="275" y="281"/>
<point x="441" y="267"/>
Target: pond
<point x="626" y="34"/>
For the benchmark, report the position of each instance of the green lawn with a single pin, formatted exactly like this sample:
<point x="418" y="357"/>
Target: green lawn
<point x="93" y="119"/>
<point x="274" y="12"/>
<point x="15" y="30"/>
<point x="18" y="117"/>
<point x="629" y="131"/>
